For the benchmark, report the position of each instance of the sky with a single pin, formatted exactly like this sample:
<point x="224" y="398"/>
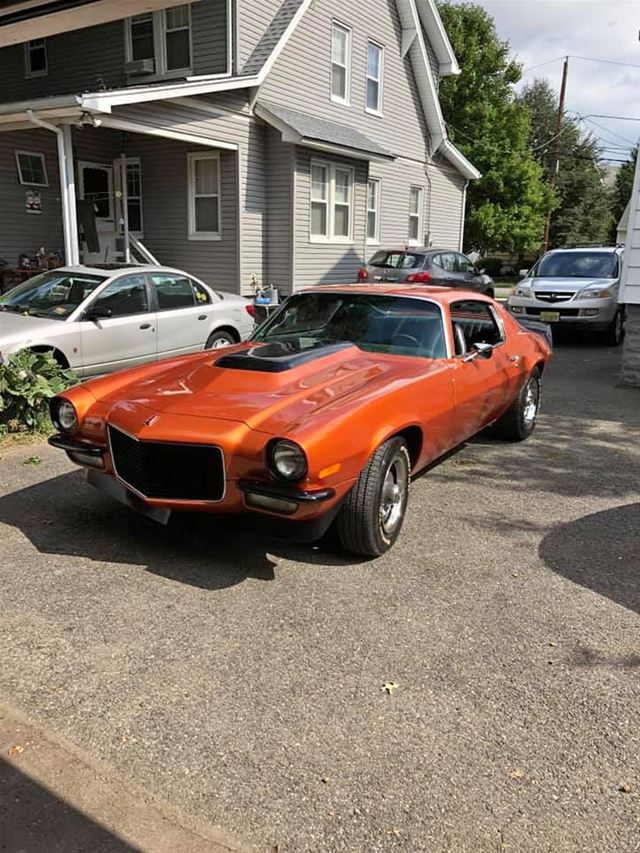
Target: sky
<point x="543" y="30"/>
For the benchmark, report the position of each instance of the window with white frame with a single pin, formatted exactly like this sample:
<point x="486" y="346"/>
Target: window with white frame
<point x="204" y="196"/>
<point x="415" y="215"/>
<point x="375" y="65"/>
<point x="331" y="217"/>
<point x="340" y="63"/>
<point x="32" y="170"/>
<point x="35" y="58"/>
<point x="373" y="210"/>
<point x="163" y="36"/>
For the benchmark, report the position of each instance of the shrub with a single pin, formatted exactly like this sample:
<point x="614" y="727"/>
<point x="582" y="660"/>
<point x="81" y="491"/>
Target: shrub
<point x="492" y="266"/>
<point x="27" y="381"/>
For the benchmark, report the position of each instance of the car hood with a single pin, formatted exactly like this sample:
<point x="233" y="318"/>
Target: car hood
<point x="568" y="285"/>
<point x="21" y="329"/>
<point x="270" y="402"/>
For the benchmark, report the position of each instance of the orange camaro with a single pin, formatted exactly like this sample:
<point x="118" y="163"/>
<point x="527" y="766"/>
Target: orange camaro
<point x="319" y="419"/>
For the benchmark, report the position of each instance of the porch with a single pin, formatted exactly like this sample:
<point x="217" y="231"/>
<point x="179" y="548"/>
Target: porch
<point x="94" y="194"/>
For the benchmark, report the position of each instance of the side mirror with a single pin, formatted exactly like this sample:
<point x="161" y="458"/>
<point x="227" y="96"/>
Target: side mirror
<point x="523" y="273"/>
<point x="479" y="350"/>
<point x="97" y="312"/>
<point x="482" y="272"/>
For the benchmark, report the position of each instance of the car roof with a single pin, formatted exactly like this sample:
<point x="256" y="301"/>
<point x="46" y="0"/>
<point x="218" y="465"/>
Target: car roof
<point x="444" y="295"/>
<point x="112" y="271"/>
<point x="604" y="249"/>
<point x="417" y="250"/>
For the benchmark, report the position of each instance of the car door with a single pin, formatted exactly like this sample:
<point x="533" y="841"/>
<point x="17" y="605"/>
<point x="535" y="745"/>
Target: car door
<point x="482" y="386"/>
<point x="118" y="327"/>
<point x="184" y="310"/>
<point x="444" y="270"/>
<point x="467" y="274"/>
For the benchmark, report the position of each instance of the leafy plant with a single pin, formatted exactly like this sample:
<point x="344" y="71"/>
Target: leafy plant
<point x="27" y="381"/>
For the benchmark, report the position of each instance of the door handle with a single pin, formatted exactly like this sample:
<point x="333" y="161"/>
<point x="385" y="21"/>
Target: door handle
<point x="515" y="360"/>
<point x="202" y="317"/>
<point x="145" y="326"/>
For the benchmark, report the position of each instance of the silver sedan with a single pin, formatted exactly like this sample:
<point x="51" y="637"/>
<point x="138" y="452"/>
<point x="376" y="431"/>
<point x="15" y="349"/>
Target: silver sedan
<point x="97" y="321"/>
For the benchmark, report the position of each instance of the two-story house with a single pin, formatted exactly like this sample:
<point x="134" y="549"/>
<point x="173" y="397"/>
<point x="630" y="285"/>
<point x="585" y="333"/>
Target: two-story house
<point x="277" y="139"/>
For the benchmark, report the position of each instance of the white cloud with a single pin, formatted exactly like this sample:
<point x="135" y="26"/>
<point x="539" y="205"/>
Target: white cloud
<point x="543" y="30"/>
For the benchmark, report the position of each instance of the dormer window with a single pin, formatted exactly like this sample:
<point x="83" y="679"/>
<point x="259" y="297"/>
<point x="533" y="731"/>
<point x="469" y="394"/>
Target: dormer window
<point x="159" y="42"/>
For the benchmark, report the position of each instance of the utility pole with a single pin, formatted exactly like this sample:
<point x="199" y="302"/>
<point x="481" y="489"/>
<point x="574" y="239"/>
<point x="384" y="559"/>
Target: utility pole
<point x="553" y="180"/>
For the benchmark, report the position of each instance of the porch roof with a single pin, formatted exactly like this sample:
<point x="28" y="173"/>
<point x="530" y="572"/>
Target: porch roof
<point x="302" y="129"/>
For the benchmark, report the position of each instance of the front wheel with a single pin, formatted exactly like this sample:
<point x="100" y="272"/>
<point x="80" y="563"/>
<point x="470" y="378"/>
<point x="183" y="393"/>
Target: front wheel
<point x="372" y="515"/>
<point x="519" y="421"/>
<point x="614" y="335"/>
<point x="219" y="339"/>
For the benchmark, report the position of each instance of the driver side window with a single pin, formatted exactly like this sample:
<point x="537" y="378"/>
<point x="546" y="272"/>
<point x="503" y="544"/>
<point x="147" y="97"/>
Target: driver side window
<point x="124" y="296"/>
<point x="474" y="323"/>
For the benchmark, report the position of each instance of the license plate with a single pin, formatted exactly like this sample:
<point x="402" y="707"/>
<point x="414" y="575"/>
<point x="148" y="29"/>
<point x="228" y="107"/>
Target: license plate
<point x="550" y="316"/>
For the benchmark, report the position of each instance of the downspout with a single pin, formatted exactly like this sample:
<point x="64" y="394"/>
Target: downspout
<point x="463" y="214"/>
<point x="69" y="225"/>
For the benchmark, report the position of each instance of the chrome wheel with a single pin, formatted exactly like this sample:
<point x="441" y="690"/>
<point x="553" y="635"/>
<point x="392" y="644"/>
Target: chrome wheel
<point x="394" y="494"/>
<point x="531" y="403"/>
<point x="220" y="343"/>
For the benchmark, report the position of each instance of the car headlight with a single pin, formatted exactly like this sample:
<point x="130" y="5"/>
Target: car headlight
<point x="63" y="415"/>
<point x="601" y="293"/>
<point x="288" y="460"/>
<point x="522" y="290"/>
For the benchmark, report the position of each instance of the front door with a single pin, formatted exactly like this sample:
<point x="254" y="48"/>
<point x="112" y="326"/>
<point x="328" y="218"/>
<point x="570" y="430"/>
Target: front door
<point x="126" y="332"/>
<point x="96" y="186"/>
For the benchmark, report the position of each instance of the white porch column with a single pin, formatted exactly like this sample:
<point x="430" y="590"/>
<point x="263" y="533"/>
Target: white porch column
<point x="69" y="194"/>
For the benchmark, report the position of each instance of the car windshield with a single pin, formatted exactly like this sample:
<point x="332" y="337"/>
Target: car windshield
<point x="53" y="294"/>
<point x="396" y="260"/>
<point x="578" y="265"/>
<point x="376" y="323"/>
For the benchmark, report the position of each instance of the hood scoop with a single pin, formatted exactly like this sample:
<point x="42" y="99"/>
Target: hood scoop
<point x="278" y="357"/>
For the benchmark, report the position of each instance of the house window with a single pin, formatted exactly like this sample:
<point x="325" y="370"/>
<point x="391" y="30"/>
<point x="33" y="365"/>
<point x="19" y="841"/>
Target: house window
<point x="319" y="200"/>
<point x="375" y="59"/>
<point x="134" y="196"/>
<point x="164" y="37"/>
<point x="31" y="169"/>
<point x="204" y="196"/>
<point x="373" y="211"/>
<point x="35" y="58"/>
<point x="331" y="203"/>
<point x="415" y="215"/>
<point x="340" y="63"/>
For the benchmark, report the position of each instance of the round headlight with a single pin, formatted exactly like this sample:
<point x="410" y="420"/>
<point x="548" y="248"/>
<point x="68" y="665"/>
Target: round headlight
<point x="288" y="460"/>
<point x="65" y="416"/>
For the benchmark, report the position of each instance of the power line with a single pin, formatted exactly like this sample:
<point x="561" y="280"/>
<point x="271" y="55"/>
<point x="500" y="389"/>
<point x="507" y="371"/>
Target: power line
<point x="548" y="62"/>
<point x="589" y="120"/>
<point x="586" y="59"/>
<point x="619" y="118"/>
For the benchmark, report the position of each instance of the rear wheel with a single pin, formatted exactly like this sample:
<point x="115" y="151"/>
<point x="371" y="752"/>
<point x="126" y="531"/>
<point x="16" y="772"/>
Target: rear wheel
<point x="372" y="515"/>
<point x="519" y="421"/>
<point x="219" y="339"/>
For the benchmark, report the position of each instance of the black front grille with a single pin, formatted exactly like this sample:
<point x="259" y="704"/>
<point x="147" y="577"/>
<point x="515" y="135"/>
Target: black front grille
<point x="563" y="312"/>
<point x="168" y="470"/>
<point x="545" y="296"/>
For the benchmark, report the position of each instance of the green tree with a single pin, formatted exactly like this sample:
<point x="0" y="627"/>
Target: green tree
<point x="583" y="213"/>
<point x="507" y="207"/>
<point x="621" y="192"/>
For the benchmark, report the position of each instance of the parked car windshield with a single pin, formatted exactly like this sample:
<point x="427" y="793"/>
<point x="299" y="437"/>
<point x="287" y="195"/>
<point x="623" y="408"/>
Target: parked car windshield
<point x="578" y="265"/>
<point x="375" y="323"/>
<point x="396" y="260"/>
<point x="53" y="294"/>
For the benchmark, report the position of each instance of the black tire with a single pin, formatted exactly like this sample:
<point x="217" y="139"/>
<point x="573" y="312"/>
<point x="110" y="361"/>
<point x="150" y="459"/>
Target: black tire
<point x="219" y="339"/>
<point x="518" y="422"/>
<point x="361" y="526"/>
<point x="614" y="335"/>
<point x="490" y="293"/>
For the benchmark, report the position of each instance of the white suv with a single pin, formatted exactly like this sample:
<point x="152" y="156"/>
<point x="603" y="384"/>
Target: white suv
<point x="574" y="287"/>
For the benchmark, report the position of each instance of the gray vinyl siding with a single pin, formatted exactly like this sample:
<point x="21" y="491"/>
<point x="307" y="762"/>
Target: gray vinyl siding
<point x="326" y="263"/>
<point x="402" y="129"/>
<point x="22" y="232"/>
<point x="93" y="58"/>
<point x="446" y="206"/>
<point x="279" y="232"/>
<point x="253" y="18"/>
<point x="396" y="180"/>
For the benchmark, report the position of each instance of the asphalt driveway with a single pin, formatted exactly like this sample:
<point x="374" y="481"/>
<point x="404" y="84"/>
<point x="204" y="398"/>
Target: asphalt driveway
<point x="241" y="681"/>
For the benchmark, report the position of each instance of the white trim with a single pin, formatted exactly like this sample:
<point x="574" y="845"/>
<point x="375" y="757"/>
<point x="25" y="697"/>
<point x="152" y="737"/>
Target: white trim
<point x="417" y="241"/>
<point x="284" y="38"/>
<point x="331" y="237"/>
<point x="380" y="81"/>
<point x="104" y="101"/>
<point x="192" y="158"/>
<point x="375" y="240"/>
<point x="149" y="130"/>
<point x="438" y="38"/>
<point x="28" y="72"/>
<point x="17" y="152"/>
<point x="159" y="35"/>
<point x="348" y="32"/>
<point x="457" y="159"/>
